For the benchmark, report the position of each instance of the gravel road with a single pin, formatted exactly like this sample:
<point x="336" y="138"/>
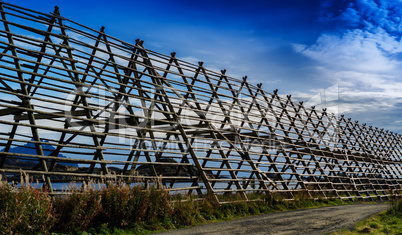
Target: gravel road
<point x="307" y="221"/>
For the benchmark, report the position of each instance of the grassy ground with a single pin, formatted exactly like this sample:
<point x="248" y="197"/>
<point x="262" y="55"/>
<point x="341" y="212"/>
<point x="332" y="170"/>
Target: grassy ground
<point x="120" y="209"/>
<point x="197" y="216"/>
<point x="388" y="222"/>
<point x="192" y="213"/>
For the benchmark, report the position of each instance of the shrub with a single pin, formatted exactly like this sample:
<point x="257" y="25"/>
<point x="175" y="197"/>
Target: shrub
<point x="396" y="209"/>
<point x="37" y="212"/>
<point x="122" y="206"/>
<point x="9" y="216"/>
<point x="185" y="212"/>
<point x="25" y="210"/>
<point x="104" y="210"/>
<point x="77" y="210"/>
<point x="117" y="206"/>
<point x="140" y="200"/>
<point x="159" y="206"/>
<point x="207" y="209"/>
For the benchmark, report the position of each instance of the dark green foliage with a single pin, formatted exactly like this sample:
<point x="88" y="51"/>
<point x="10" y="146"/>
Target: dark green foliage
<point x="77" y="210"/>
<point x="121" y="207"/>
<point x="25" y="210"/>
<point x="185" y="212"/>
<point x="207" y="209"/>
<point x="36" y="208"/>
<point x="107" y="210"/>
<point x="396" y="209"/>
<point x="159" y="206"/>
<point x="9" y="216"/>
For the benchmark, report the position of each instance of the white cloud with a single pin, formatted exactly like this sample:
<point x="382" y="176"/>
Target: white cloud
<point x="363" y="60"/>
<point x="354" y="50"/>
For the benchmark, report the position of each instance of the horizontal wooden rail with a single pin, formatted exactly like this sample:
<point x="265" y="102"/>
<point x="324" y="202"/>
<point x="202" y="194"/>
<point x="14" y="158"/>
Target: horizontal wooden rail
<point x="77" y="104"/>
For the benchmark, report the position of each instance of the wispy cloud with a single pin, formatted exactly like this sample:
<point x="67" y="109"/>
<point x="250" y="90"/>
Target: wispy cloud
<point x="362" y="55"/>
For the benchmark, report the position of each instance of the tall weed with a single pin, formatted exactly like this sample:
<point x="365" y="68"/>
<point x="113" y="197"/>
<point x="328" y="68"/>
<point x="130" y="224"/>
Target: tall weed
<point x="9" y="216"/>
<point x="76" y="211"/>
<point x="25" y="210"/>
<point x="122" y="206"/>
<point x="159" y="207"/>
<point x="115" y="205"/>
<point x="396" y="209"/>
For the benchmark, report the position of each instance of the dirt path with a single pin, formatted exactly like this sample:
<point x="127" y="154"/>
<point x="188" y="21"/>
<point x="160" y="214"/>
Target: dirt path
<point x="307" y="221"/>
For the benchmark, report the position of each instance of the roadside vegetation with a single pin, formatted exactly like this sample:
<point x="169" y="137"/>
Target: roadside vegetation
<point x="388" y="222"/>
<point x="120" y="209"/>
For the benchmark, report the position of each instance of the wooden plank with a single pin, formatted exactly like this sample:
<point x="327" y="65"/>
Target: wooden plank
<point x="160" y="106"/>
<point x="54" y="115"/>
<point x="8" y="111"/>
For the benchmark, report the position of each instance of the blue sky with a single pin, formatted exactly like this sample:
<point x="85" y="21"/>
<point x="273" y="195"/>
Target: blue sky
<point x="341" y="54"/>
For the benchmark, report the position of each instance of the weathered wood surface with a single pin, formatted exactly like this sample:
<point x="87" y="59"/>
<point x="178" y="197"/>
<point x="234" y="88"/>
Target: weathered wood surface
<point x="117" y="108"/>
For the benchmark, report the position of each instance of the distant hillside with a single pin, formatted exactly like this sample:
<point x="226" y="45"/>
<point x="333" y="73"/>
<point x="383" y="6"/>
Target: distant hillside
<point x="29" y="148"/>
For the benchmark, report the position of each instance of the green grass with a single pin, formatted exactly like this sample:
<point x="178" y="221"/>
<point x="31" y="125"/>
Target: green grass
<point x="187" y="212"/>
<point x="388" y="222"/>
